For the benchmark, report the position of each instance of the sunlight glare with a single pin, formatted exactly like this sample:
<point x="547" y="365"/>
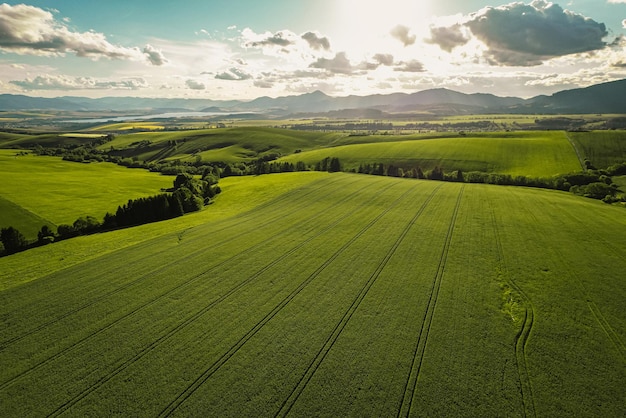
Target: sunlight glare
<point x="357" y="22"/>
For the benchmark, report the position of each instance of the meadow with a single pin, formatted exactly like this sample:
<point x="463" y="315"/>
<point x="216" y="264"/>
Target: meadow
<point x="331" y="295"/>
<point x="52" y="191"/>
<point x="534" y="154"/>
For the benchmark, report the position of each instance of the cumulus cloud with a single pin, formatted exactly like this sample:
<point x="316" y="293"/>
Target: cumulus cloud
<point x="402" y="33"/>
<point x="60" y="82"/>
<point x="30" y="30"/>
<point x="412" y="66"/>
<point x="384" y="59"/>
<point x="154" y="56"/>
<point x="279" y="39"/>
<point x="264" y="84"/>
<point x="340" y="64"/>
<point x="195" y="85"/>
<point x="448" y="38"/>
<point x="518" y="34"/>
<point x="234" y="74"/>
<point x="624" y="23"/>
<point x="316" y="41"/>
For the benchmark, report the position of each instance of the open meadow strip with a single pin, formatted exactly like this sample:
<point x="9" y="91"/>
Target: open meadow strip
<point x="575" y="284"/>
<point x="125" y="332"/>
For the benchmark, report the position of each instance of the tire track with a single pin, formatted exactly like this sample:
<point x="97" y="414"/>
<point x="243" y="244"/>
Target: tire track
<point x="200" y="380"/>
<point x="593" y="307"/>
<point x="5" y="344"/>
<point x="191" y="319"/>
<point x="406" y="402"/>
<point x="523" y="335"/>
<point x="332" y="338"/>
<point x="193" y="279"/>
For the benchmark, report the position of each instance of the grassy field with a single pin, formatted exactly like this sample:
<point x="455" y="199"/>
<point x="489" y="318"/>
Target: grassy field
<point x="601" y="148"/>
<point x="61" y="191"/>
<point x="331" y="295"/>
<point x="24" y="221"/>
<point x="229" y="144"/>
<point x="534" y="154"/>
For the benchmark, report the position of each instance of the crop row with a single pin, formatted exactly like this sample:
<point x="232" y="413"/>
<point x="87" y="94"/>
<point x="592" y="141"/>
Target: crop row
<point x="354" y="295"/>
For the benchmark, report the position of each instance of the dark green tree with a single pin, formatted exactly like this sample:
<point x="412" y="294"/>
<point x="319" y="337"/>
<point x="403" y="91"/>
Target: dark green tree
<point x="13" y="240"/>
<point x="45" y="235"/>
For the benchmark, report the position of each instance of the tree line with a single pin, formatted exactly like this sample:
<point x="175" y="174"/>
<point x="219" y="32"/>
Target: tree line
<point x="188" y="194"/>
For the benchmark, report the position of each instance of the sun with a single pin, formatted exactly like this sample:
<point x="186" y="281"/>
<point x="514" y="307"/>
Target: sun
<point x="359" y="25"/>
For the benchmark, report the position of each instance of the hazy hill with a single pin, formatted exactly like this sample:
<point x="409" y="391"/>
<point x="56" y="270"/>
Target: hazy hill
<point x="601" y="98"/>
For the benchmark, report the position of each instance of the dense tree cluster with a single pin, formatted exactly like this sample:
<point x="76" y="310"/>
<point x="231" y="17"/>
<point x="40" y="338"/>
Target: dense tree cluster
<point x="188" y="194"/>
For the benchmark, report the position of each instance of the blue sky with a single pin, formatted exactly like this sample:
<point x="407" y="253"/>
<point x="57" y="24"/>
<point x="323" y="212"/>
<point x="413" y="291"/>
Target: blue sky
<point x="242" y="49"/>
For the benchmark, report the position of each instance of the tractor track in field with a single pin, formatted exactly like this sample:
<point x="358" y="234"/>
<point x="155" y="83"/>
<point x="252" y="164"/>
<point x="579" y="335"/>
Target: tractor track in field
<point x="406" y="403"/>
<point x="523" y="335"/>
<point x="171" y="291"/>
<point x="5" y="344"/>
<point x="191" y="319"/>
<point x="215" y="366"/>
<point x="334" y="336"/>
<point x="593" y="307"/>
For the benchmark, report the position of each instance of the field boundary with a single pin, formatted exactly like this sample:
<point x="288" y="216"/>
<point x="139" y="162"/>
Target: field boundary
<point x="580" y="158"/>
<point x="406" y="403"/>
<point x="332" y="338"/>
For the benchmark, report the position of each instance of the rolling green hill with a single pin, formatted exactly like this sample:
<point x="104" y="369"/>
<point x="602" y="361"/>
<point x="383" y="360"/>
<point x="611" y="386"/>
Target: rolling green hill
<point x="534" y="154"/>
<point x="601" y="148"/>
<point x="228" y="145"/>
<point x="61" y="191"/>
<point x="334" y="295"/>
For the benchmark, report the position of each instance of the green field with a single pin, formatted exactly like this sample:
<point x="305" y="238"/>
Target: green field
<point x="228" y="145"/>
<point x="61" y="191"/>
<point x="333" y="295"/>
<point x="601" y="148"/>
<point x="534" y="154"/>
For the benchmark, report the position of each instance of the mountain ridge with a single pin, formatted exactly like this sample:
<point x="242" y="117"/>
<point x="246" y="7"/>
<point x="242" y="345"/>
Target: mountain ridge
<point x="599" y="98"/>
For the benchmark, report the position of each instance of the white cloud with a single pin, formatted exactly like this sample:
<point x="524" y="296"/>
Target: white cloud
<point x="154" y="56"/>
<point x="402" y="33"/>
<point x="316" y="41"/>
<point x="624" y="23"/>
<point x="60" y="82"/>
<point x="412" y="66"/>
<point x="340" y="64"/>
<point x="34" y="31"/>
<point x="195" y="85"/>
<point x="233" y="74"/>
<point x="519" y="34"/>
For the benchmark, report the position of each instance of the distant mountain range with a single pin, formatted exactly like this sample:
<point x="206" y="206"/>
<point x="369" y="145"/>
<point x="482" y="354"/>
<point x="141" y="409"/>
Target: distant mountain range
<point x="600" y="98"/>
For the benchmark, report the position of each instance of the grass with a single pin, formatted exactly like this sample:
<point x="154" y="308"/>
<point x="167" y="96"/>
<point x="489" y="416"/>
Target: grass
<point x="240" y="195"/>
<point x="61" y="191"/>
<point x="337" y="295"/>
<point x="231" y="144"/>
<point x="601" y="148"/>
<point x="24" y="221"/>
<point x="534" y="154"/>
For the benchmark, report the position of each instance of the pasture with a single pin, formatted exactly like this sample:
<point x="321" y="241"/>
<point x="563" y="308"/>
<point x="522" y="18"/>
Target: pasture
<point x="336" y="295"/>
<point x="61" y="191"/>
<point x="534" y="154"/>
<point x="601" y="148"/>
